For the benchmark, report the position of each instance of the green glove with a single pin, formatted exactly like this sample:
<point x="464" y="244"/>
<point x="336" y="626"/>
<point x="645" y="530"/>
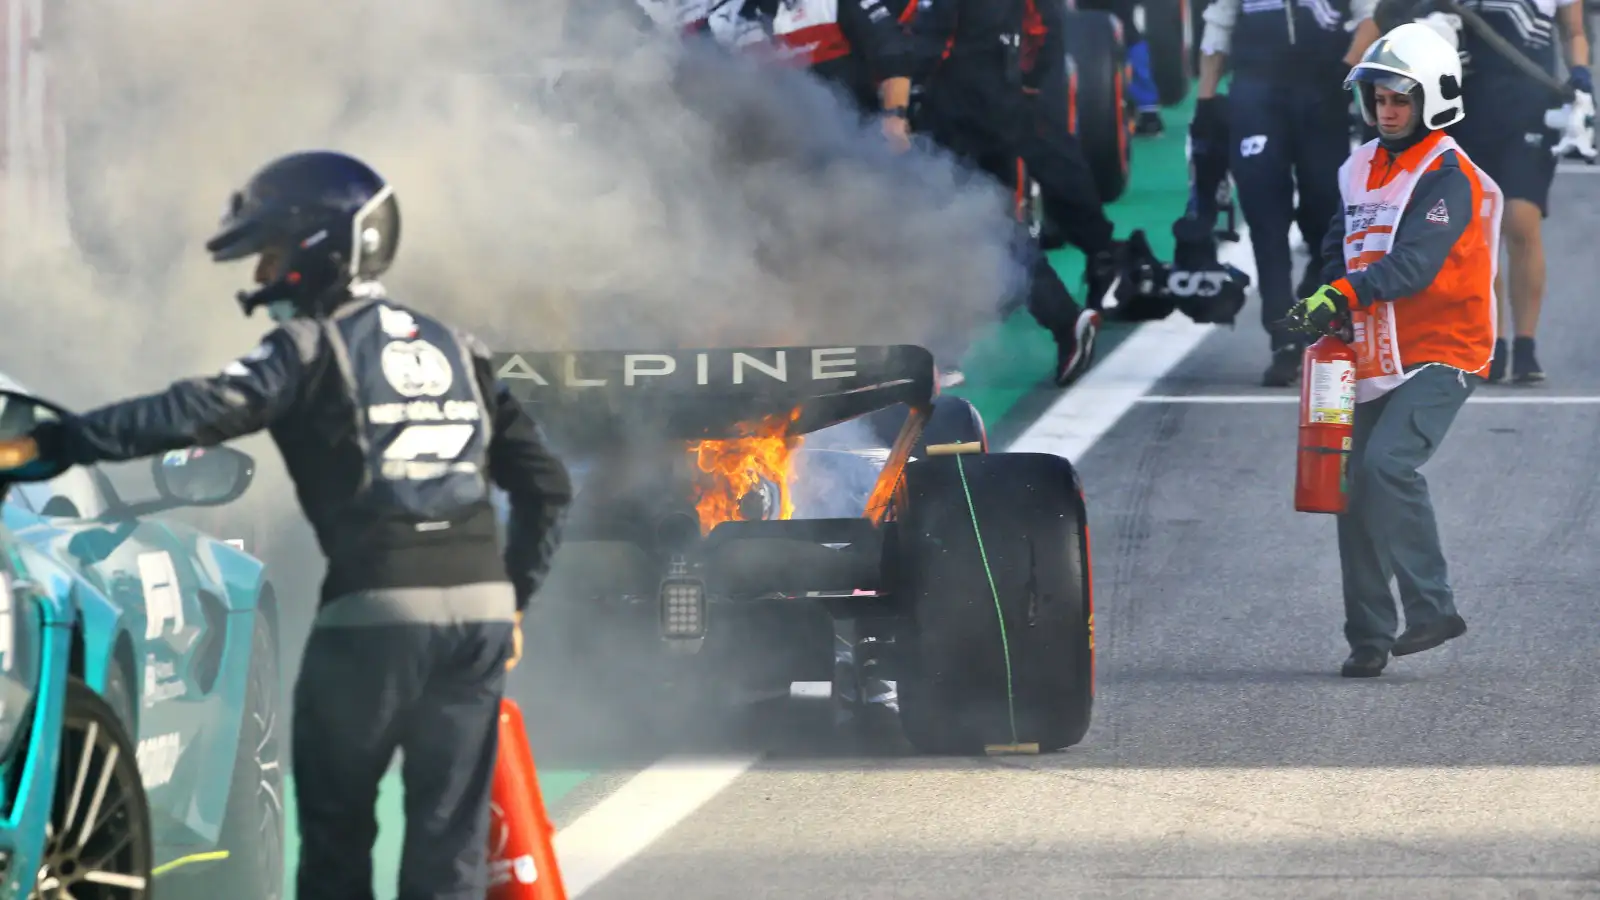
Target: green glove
<point x="1317" y="313"/>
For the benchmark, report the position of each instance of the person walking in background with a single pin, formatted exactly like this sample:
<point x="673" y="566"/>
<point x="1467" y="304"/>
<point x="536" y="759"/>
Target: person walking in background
<point x="1287" y="118"/>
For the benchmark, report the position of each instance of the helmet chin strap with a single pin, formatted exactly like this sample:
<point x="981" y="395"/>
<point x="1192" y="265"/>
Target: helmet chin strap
<point x="287" y="295"/>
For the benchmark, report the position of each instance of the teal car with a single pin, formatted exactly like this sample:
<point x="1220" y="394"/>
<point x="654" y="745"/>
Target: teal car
<point x="139" y="685"/>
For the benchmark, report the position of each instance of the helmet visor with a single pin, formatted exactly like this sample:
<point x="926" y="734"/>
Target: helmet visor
<point x="249" y="226"/>
<point x="1394" y="81"/>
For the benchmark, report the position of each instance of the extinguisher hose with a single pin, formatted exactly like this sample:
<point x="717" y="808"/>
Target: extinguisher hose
<point x="999" y="613"/>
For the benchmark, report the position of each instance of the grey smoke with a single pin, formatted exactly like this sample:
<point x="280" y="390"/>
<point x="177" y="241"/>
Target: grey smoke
<point x="634" y="207"/>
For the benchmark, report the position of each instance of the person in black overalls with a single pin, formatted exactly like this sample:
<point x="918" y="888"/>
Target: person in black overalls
<point x="392" y="426"/>
<point x="1287" y="118"/>
<point x="971" y="67"/>
<point x="1506" y="135"/>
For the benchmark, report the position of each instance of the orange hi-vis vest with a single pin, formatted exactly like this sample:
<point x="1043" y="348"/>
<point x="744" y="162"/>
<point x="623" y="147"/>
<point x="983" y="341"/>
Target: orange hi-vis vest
<point x="1452" y="321"/>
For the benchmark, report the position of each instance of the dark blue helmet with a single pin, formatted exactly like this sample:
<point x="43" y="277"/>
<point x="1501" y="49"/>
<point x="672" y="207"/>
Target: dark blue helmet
<point x="330" y="217"/>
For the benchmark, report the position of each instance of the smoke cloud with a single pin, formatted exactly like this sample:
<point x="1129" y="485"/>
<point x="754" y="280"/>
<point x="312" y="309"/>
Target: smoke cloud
<point x="656" y="197"/>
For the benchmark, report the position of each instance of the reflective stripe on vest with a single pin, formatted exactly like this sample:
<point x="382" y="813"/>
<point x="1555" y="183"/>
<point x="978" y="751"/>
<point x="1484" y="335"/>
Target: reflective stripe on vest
<point x="1452" y="322"/>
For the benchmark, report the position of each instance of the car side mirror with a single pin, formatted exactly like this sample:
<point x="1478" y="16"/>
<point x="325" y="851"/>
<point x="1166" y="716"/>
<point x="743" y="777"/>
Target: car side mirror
<point x="20" y="414"/>
<point x="203" y="476"/>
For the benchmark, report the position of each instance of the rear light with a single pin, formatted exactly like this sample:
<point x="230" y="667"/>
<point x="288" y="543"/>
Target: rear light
<point x="683" y="608"/>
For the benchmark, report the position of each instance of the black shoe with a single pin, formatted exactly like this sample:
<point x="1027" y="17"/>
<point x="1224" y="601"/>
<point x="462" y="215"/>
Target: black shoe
<point x="1524" y="367"/>
<point x="1284" y="369"/>
<point x="1148" y="124"/>
<point x="1075" y="351"/>
<point x="1427" y="637"/>
<point x="1497" y="363"/>
<point x="1101" y="280"/>
<point x="1364" y="662"/>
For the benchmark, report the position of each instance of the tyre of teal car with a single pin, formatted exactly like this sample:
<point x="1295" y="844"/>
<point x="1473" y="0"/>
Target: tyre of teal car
<point x="101" y="842"/>
<point x="118" y="694"/>
<point x="252" y="826"/>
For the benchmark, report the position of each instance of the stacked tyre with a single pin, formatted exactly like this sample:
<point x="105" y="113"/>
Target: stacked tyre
<point x="1098" y="105"/>
<point x="1171" y="30"/>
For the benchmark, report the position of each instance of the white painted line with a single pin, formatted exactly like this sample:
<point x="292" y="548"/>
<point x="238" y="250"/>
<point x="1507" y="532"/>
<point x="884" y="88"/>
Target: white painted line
<point x="603" y="839"/>
<point x="656" y="800"/>
<point x="1082" y="415"/>
<point x="1086" y="412"/>
<point x="1242" y="399"/>
<point x="1286" y="399"/>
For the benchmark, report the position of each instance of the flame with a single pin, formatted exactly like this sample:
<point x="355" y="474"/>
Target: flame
<point x="736" y="466"/>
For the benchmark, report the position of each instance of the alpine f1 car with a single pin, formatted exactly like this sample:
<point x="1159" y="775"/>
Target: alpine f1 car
<point x="138" y="685"/>
<point x="735" y="505"/>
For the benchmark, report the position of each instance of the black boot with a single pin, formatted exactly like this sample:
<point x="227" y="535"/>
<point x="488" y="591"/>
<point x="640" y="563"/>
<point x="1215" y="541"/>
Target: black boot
<point x="1525" y="368"/>
<point x="1147" y="123"/>
<point x="1100" y="280"/>
<point x="1364" y="662"/>
<point x="1427" y="637"/>
<point x="1284" y="370"/>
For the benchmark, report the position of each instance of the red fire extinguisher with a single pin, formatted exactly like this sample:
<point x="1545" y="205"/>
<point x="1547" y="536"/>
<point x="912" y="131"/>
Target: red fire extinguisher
<point x="1327" y="412"/>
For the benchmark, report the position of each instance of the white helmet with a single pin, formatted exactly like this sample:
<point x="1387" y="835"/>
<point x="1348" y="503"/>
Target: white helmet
<point x="1411" y="59"/>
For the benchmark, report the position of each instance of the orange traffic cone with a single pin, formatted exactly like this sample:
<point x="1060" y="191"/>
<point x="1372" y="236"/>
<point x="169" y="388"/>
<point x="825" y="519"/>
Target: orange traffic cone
<point x="522" y="860"/>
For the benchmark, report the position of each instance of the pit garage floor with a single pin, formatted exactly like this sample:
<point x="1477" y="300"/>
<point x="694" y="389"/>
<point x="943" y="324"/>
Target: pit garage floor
<point x="1227" y="758"/>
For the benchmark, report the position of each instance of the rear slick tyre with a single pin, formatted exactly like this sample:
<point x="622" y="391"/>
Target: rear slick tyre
<point x="1007" y="664"/>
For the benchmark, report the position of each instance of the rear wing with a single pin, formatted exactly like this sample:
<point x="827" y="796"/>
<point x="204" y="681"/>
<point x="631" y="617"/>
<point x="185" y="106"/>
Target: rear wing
<point x="601" y="396"/>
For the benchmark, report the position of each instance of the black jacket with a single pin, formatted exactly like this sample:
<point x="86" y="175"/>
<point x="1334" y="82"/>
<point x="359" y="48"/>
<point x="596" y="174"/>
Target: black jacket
<point x="388" y="422"/>
<point x="969" y="60"/>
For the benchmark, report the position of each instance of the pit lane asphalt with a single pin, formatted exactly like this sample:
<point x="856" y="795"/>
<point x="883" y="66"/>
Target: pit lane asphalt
<point x="1227" y="759"/>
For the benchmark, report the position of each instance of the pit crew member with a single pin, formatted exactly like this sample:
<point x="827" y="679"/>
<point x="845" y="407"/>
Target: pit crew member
<point x="1506" y="134"/>
<point x="970" y="66"/>
<point x="392" y="427"/>
<point x="1288" y="124"/>
<point x="1417" y="236"/>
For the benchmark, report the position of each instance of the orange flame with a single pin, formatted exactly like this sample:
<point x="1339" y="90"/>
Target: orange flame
<point x="736" y="466"/>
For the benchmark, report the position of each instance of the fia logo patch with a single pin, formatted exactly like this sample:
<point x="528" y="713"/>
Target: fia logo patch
<point x="1439" y="214"/>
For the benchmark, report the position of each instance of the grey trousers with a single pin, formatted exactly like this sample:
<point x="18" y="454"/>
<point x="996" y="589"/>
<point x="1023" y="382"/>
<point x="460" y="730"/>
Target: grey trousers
<point x="1389" y="530"/>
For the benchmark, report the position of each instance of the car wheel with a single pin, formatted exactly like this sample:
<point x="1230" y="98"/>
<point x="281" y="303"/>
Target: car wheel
<point x="1094" y="41"/>
<point x="252" y="826"/>
<point x="997" y="646"/>
<point x="1167" y="32"/>
<point x="100" y="843"/>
